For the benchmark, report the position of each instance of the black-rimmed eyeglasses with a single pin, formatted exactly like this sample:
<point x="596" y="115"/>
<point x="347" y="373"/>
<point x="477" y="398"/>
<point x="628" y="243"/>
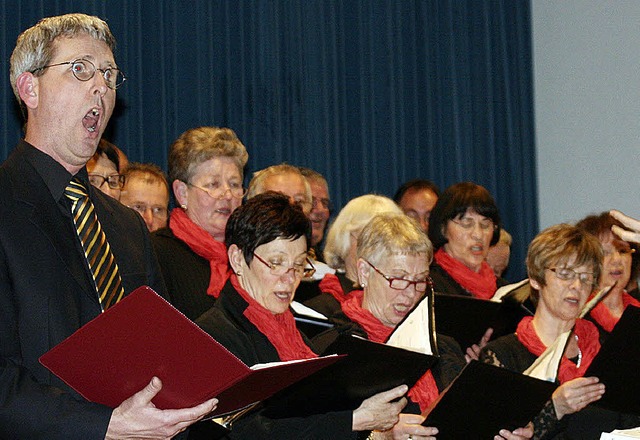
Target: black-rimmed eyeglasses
<point x="115" y="181"/>
<point x="403" y="283"/>
<point x="84" y="70"/>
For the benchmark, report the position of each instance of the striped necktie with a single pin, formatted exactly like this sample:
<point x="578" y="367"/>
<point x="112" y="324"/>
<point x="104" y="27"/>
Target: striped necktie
<point x="96" y="247"/>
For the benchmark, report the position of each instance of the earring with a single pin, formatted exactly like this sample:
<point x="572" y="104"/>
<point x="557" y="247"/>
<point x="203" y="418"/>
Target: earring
<point x="238" y="274"/>
<point x="363" y="285"/>
<point x="184" y="206"/>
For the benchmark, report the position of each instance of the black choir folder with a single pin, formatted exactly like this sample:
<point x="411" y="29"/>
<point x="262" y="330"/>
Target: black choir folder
<point x="466" y="318"/>
<point x="369" y="368"/>
<point x="116" y="354"/>
<point x="484" y="399"/>
<point x="617" y="363"/>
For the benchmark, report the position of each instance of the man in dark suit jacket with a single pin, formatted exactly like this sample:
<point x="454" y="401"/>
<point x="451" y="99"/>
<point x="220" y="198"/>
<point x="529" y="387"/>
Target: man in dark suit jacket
<point x="64" y="76"/>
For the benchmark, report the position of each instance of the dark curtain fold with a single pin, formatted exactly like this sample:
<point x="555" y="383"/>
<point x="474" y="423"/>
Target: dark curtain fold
<point x="369" y="93"/>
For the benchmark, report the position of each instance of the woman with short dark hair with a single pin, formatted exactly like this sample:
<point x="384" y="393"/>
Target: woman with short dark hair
<point x="464" y="223"/>
<point x="267" y="240"/>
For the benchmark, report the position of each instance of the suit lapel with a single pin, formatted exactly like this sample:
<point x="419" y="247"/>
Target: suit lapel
<point x="35" y="204"/>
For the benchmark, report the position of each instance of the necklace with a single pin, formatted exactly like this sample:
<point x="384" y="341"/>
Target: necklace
<point x="579" y="353"/>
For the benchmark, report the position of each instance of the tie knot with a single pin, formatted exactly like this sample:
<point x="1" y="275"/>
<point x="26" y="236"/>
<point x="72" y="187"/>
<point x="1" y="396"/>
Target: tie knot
<point x="75" y="190"/>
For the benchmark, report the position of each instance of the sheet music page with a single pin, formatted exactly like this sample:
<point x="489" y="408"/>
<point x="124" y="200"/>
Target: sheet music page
<point x="413" y="333"/>
<point x="547" y="365"/>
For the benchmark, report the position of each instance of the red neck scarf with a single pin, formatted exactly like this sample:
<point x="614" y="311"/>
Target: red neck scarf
<point x="603" y="316"/>
<point x="279" y="329"/>
<point x="203" y="244"/>
<point x="588" y="343"/>
<point x="331" y="284"/>
<point x="425" y="391"/>
<point x="481" y="284"/>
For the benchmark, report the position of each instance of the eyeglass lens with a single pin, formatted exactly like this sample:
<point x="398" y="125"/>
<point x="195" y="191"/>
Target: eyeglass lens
<point x="567" y="274"/>
<point x="279" y="269"/>
<point x="220" y="191"/>
<point x="325" y="203"/>
<point x="84" y="70"/>
<point x="114" y="181"/>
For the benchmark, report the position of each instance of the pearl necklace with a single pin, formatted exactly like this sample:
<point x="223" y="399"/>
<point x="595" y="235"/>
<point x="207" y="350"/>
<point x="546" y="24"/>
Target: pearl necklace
<point x="579" y="353"/>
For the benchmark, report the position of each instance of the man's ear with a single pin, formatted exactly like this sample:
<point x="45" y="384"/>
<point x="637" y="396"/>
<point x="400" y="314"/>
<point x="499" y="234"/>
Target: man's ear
<point x="236" y="258"/>
<point x="180" y="191"/>
<point x="27" y="85"/>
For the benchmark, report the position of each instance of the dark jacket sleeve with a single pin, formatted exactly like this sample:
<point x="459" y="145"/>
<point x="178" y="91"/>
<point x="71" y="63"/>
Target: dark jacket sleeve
<point x="30" y="409"/>
<point x="46" y="294"/>
<point x="451" y="361"/>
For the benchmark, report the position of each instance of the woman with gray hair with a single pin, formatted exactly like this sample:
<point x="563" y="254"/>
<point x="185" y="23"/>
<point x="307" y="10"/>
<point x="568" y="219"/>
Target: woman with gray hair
<point x="393" y="258"/>
<point x="206" y="170"/>
<point x="340" y="249"/>
<point x="267" y="240"/>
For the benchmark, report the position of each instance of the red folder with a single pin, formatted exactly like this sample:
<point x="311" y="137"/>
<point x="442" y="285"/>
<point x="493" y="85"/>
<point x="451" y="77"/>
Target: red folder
<point x="116" y="354"/>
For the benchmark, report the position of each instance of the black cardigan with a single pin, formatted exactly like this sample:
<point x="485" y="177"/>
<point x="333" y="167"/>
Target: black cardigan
<point x="186" y="274"/>
<point x="227" y="324"/>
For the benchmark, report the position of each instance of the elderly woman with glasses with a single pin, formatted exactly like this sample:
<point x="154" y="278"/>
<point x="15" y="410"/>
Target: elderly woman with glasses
<point x="616" y="271"/>
<point x="267" y="240"/>
<point x="564" y="263"/>
<point x="340" y="250"/>
<point x="206" y="170"/>
<point x="393" y="256"/>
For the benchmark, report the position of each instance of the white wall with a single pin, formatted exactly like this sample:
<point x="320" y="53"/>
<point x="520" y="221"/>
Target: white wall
<point x="587" y="107"/>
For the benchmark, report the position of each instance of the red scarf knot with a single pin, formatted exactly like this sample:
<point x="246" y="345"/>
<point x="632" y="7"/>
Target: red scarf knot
<point x="588" y="343"/>
<point x="425" y="391"/>
<point x="203" y="244"/>
<point x="481" y="284"/>
<point x="279" y="329"/>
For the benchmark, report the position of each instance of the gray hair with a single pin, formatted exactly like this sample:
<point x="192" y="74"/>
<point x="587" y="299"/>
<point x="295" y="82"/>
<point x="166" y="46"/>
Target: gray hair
<point x="351" y="219"/>
<point x="147" y="172"/>
<point x="392" y="234"/>
<point x="256" y="186"/>
<point x="313" y="176"/>
<point x="35" y="46"/>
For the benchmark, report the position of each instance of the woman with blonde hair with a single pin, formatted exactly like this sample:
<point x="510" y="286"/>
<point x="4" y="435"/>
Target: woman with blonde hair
<point x="340" y="249"/>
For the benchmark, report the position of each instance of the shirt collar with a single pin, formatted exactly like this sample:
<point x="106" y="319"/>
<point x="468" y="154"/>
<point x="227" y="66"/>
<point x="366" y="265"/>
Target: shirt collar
<point x="54" y="175"/>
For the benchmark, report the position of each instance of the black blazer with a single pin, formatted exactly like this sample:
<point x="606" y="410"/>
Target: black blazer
<point x="47" y="292"/>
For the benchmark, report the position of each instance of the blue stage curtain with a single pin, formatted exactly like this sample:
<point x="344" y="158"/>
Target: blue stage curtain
<point x="369" y="93"/>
